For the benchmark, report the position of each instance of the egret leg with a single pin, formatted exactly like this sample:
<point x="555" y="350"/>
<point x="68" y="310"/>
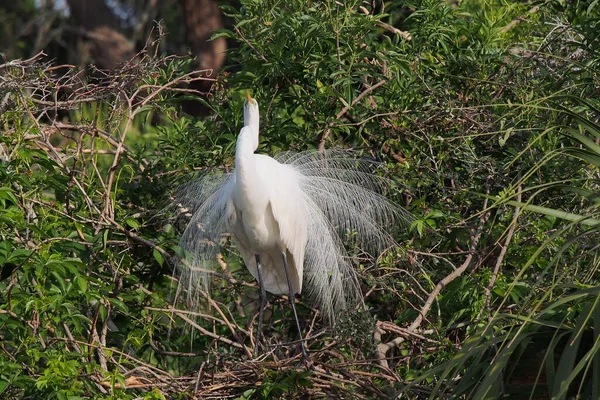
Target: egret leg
<point x="262" y="295"/>
<point x="291" y="296"/>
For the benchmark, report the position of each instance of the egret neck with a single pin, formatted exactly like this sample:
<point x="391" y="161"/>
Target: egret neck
<point x="252" y="115"/>
<point x="245" y="167"/>
<point x="251" y="191"/>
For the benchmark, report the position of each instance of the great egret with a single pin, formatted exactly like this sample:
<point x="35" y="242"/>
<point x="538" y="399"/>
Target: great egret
<point x="285" y="217"/>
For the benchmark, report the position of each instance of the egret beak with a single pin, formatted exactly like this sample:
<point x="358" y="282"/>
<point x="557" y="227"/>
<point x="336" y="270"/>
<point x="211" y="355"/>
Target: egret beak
<point x="248" y="97"/>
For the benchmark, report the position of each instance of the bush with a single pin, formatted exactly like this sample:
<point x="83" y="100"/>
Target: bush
<point x="484" y="122"/>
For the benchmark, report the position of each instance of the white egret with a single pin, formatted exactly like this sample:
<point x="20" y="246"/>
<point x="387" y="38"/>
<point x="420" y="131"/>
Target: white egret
<point x="285" y="217"/>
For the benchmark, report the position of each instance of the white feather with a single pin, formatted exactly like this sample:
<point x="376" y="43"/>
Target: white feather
<point x="336" y="193"/>
<point x="301" y="203"/>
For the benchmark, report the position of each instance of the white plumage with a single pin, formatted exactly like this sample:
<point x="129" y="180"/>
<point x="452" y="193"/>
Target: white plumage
<point x="297" y="204"/>
<point x="265" y="219"/>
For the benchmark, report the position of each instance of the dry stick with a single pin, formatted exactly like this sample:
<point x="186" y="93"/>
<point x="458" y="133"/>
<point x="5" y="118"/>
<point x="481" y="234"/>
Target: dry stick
<point x="383" y="348"/>
<point x="488" y="289"/>
<point x="187" y="78"/>
<point x="170" y="353"/>
<point x="28" y="323"/>
<point x="107" y="320"/>
<point x="94" y="337"/>
<point x="108" y="211"/>
<point x="96" y="131"/>
<point x="77" y="156"/>
<point x="173" y="310"/>
<point x="345" y="110"/>
<point x="509" y="235"/>
<point x="360" y="97"/>
<point x="95" y="164"/>
<point x="199" y="377"/>
<point x="78" y="349"/>
<point x="46" y="143"/>
<point x="215" y="336"/>
<point x="404" y="34"/>
<point x="21" y="63"/>
<point x="224" y="321"/>
<point x="70" y="336"/>
<point x="518" y="20"/>
<point x="214" y="305"/>
<point x="63" y="104"/>
<point x="120" y="353"/>
<point x="391" y="327"/>
<point x="237" y="30"/>
<point x="455" y="274"/>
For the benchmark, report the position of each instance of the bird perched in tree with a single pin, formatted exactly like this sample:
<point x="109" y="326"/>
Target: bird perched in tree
<point x="287" y="216"/>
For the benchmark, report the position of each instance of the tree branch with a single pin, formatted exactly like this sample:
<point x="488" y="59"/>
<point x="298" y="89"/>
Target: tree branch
<point x="384" y="348"/>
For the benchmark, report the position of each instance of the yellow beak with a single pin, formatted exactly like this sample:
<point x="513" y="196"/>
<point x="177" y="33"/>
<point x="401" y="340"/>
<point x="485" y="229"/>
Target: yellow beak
<point x="248" y="97"/>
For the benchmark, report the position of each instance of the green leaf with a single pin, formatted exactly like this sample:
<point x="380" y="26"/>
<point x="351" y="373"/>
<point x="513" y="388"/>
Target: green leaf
<point x="118" y="304"/>
<point x="8" y="194"/>
<point x="82" y="284"/>
<point x="158" y="257"/>
<point x="132" y="223"/>
<point x="226" y="33"/>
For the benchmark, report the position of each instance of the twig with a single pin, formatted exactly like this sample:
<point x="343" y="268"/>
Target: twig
<point x="403" y="34"/>
<point x="215" y="336"/>
<point x="518" y="20"/>
<point x="500" y="259"/>
<point x="200" y="373"/>
<point x="23" y="63"/>
<point x="454" y="274"/>
<point x="344" y="110"/>
<point x="95" y="338"/>
<point x="170" y="353"/>
<point x="173" y="310"/>
<point x="65" y="103"/>
<point x="78" y="349"/>
<point x="114" y="350"/>
<point x="237" y="30"/>
<point x="133" y="111"/>
<point x="384" y="348"/>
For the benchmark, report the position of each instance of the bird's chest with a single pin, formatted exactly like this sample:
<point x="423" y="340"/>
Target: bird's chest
<point x="262" y="231"/>
<point x="257" y="226"/>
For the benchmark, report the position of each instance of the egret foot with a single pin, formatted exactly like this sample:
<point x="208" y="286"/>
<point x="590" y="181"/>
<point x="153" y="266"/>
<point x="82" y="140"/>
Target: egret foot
<point x="263" y="299"/>
<point x="291" y="298"/>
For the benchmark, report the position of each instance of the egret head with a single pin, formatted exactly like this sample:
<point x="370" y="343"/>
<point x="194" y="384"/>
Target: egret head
<point x="251" y="114"/>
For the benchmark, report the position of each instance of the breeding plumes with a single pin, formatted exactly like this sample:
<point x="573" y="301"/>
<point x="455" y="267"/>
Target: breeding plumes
<point x="287" y="217"/>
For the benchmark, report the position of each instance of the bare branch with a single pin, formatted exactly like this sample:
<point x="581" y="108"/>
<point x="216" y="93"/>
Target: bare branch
<point x="384" y="348"/>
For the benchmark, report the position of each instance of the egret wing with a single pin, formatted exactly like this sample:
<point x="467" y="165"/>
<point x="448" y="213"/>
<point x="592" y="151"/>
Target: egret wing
<point x="288" y="211"/>
<point x="342" y="195"/>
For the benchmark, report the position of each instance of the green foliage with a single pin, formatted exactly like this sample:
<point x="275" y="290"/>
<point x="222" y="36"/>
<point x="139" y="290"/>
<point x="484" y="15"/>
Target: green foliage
<point x="486" y="123"/>
<point x="73" y="287"/>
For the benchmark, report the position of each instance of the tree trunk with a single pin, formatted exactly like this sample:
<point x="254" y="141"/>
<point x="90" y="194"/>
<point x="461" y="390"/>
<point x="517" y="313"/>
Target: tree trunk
<point x="108" y="47"/>
<point x="202" y="18"/>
